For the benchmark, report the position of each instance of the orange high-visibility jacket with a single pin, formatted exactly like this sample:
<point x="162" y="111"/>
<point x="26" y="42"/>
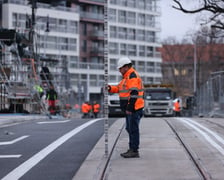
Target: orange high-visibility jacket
<point x="90" y="108"/>
<point x="85" y="108"/>
<point x="130" y="90"/>
<point x="177" y="106"/>
<point x="96" y="108"/>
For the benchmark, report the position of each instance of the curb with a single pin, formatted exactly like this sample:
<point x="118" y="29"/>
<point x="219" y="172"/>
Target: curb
<point x="96" y="161"/>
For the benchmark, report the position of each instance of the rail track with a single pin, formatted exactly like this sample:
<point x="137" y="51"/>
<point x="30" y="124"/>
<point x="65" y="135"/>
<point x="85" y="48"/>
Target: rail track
<point x="195" y="160"/>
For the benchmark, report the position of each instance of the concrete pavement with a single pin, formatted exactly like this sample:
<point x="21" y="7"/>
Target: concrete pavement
<point x="162" y="157"/>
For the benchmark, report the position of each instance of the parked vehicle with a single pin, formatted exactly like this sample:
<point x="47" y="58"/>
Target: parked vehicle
<point x="158" y="100"/>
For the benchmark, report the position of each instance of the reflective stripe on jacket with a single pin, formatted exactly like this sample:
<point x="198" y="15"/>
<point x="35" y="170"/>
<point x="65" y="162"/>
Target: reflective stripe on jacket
<point x="130" y="90"/>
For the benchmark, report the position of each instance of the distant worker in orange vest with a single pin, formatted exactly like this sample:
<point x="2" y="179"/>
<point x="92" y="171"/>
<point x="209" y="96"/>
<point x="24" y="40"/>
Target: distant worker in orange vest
<point x="85" y="110"/>
<point x="96" y="109"/>
<point x="177" y="108"/>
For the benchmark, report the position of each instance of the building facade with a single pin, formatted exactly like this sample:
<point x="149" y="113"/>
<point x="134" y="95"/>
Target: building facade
<point x="188" y="66"/>
<point x="76" y="39"/>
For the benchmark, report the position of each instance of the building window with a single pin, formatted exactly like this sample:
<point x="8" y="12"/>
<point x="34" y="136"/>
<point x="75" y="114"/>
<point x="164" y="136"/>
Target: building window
<point x="101" y="80"/>
<point x="141" y="35"/>
<point x="142" y="51"/>
<point x="131" y="3"/>
<point x="113" y="64"/>
<point x="72" y="45"/>
<point x="141" y="19"/>
<point x="141" y="4"/>
<point x="131" y="18"/>
<point x="113" y="48"/>
<point x="149" y="51"/>
<point x="122" y="16"/>
<point x="150" y="36"/>
<point x="122" y="33"/>
<point x="141" y="66"/>
<point x="93" y="80"/>
<point x="150" y="21"/>
<point x="131" y="34"/>
<point x="73" y="27"/>
<point x="131" y="50"/>
<point x="149" y="80"/>
<point x="84" y="29"/>
<point x="158" y="67"/>
<point x="73" y="62"/>
<point x="113" y="33"/>
<point x="112" y="78"/>
<point x="112" y="15"/>
<point x="123" y="49"/>
<point x="113" y="2"/>
<point x="150" y="67"/>
<point x="84" y="45"/>
<point x="123" y="2"/>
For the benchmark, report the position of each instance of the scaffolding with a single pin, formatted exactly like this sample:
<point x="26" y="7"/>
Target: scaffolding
<point x="23" y="72"/>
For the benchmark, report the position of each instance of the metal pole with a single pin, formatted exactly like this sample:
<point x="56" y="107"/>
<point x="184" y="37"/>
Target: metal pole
<point x="106" y="121"/>
<point x="195" y="67"/>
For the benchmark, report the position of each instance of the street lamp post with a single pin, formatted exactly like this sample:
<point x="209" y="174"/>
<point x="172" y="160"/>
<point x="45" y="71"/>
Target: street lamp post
<point x="195" y="67"/>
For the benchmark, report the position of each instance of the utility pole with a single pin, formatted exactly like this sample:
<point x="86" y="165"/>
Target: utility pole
<point x="195" y="67"/>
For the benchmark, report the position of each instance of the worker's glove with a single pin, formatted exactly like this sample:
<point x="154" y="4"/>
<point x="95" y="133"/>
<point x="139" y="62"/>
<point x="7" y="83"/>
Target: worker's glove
<point x="108" y="88"/>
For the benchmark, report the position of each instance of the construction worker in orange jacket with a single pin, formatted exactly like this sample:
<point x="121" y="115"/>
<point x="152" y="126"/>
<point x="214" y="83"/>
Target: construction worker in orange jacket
<point x="96" y="109"/>
<point x="85" y="110"/>
<point x="130" y="90"/>
<point x="177" y="108"/>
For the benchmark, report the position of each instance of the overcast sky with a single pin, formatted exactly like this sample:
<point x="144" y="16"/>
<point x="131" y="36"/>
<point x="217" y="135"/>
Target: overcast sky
<point x="175" y="23"/>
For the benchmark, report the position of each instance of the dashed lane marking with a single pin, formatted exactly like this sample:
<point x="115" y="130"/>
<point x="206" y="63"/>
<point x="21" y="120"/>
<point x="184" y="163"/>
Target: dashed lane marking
<point x="13" y="141"/>
<point x="10" y="156"/>
<point x="53" y="122"/>
<point x="22" y="169"/>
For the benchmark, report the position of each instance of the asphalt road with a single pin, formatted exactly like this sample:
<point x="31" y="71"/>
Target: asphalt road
<point x="47" y="150"/>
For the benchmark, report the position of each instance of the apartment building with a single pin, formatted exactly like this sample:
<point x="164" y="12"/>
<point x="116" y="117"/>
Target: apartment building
<point x="76" y="39"/>
<point x="133" y="30"/>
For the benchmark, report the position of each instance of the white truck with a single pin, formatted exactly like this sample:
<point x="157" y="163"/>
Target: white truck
<point x="158" y="100"/>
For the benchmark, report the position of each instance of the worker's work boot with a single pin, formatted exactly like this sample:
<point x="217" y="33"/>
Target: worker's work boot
<point x="130" y="154"/>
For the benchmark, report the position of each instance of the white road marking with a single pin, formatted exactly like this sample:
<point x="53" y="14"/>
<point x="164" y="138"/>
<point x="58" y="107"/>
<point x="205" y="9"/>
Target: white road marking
<point x="206" y="136"/>
<point x="27" y="165"/>
<point x="221" y="140"/>
<point x="10" y="156"/>
<point x="53" y="122"/>
<point x="13" y="141"/>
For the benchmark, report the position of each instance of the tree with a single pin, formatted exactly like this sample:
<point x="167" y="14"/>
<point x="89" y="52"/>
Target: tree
<point x="214" y="7"/>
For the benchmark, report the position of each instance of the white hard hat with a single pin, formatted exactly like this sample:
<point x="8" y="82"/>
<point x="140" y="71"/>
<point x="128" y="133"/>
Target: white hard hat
<point x="123" y="61"/>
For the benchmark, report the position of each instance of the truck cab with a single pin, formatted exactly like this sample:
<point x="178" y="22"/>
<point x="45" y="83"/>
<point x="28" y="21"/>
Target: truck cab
<point x="158" y="101"/>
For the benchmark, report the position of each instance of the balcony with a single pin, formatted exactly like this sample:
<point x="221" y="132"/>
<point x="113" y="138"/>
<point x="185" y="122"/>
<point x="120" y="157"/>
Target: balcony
<point x="96" y="2"/>
<point x="91" y="17"/>
<point x="97" y="52"/>
<point x="96" y="35"/>
<point x="88" y="66"/>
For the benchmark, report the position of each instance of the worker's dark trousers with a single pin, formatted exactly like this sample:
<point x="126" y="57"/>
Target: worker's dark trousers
<point x="132" y="127"/>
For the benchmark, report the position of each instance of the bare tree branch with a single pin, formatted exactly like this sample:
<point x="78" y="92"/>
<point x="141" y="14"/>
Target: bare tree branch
<point x="216" y="7"/>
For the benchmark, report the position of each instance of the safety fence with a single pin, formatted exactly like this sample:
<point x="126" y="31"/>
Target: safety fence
<point x="210" y="96"/>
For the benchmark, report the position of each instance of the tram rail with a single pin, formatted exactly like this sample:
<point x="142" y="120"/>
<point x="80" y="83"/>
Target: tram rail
<point x="195" y="160"/>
